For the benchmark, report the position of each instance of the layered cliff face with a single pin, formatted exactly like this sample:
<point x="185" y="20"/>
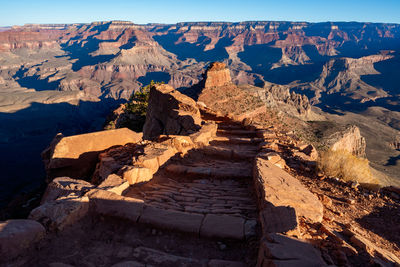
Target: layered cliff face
<point x="120" y="56"/>
<point x="350" y="140"/>
<point x="281" y="98"/>
<point x="343" y="76"/>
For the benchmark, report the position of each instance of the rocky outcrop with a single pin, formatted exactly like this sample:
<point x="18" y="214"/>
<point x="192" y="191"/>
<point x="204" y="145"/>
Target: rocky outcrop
<point x="217" y="92"/>
<point x="396" y="143"/>
<point x="76" y="156"/>
<point x="57" y="214"/>
<point x="63" y="203"/>
<point x="170" y="113"/>
<point x="348" y="139"/>
<point x="280" y="98"/>
<point x="217" y="75"/>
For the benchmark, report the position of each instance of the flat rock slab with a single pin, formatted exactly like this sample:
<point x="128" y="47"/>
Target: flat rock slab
<point x="280" y="250"/>
<point x="222" y="226"/>
<point x="76" y="156"/>
<point x="277" y="187"/>
<point x="172" y="220"/>
<point x="18" y="235"/>
<point x="224" y="263"/>
<point x="111" y="204"/>
<point x="210" y="171"/>
<point x="158" y="258"/>
<point x="129" y="264"/>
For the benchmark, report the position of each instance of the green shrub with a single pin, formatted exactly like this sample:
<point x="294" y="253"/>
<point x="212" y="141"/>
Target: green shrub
<point x="136" y="109"/>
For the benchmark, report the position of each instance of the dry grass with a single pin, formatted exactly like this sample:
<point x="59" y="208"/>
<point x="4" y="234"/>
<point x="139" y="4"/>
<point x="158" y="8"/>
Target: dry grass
<point x="344" y="165"/>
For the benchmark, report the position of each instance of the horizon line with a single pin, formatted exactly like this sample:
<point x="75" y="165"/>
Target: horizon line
<point x="200" y="21"/>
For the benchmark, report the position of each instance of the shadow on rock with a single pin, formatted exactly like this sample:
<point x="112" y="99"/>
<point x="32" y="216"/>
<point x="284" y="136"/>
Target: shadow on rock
<point x="384" y="221"/>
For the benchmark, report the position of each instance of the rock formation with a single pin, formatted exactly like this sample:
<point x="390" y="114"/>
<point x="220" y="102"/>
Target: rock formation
<point x="343" y="75"/>
<point x="217" y="75"/>
<point x="281" y="99"/>
<point x="348" y="139"/>
<point x="170" y="113"/>
<point x="217" y="92"/>
<point x="396" y="143"/>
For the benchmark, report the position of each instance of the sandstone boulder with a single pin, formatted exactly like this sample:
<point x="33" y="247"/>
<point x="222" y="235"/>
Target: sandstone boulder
<point x="106" y="166"/>
<point x="64" y="186"/>
<point x="114" y="184"/>
<point x="204" y="135"/>
<point x="310" y="151"/>
<point x="17" y="235"/>
<point x="64" y="211"/>
<point x="170" y="112"/>
<point x="76" y="156"/>
<point x="276" y="187"/>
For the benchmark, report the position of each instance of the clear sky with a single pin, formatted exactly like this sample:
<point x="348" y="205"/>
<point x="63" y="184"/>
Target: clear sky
<point x="18" y="12"/>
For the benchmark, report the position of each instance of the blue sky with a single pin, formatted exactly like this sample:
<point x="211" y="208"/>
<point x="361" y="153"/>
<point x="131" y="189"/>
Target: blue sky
<point x="18" y="12"/>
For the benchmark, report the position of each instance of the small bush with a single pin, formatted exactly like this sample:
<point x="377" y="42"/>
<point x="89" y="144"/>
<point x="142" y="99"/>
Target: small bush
<point x="136" y="109"/>
<point x="343" y="164"/>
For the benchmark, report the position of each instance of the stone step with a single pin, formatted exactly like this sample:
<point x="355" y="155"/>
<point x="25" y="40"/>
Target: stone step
<point x="153" y="257"/>
<point x="210" y="172"/>
<point x="203" y="225"/>
<point x="199" y="196"/>
<point x="229" y="153"/>
<point x="235" y="140"/>
<point x="236" y="132"/>
<point x="225" y="126"/>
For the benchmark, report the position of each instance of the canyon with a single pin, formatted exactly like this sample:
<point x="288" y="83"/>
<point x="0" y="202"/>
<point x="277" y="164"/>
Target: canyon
<point x="68" y="77"/>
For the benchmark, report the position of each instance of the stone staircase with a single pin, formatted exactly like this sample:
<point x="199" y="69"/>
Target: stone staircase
<point x="198" y="209"/>
<point x="213" y="182"/>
